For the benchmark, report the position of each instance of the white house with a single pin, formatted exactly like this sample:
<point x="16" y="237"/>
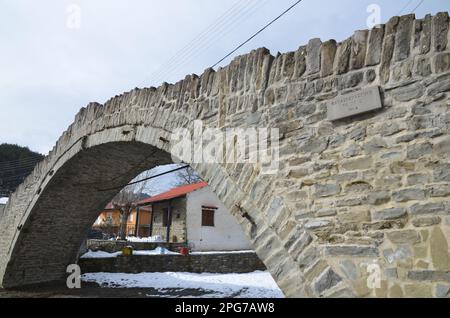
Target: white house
<point x="195" y="215"/>
<point x="210" y="226"/>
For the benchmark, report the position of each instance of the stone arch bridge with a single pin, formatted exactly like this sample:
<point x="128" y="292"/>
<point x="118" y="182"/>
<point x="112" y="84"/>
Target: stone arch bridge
<point x="359" y="207"/>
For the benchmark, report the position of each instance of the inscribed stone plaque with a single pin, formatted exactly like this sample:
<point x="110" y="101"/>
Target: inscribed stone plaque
<point x="354" y="103"/>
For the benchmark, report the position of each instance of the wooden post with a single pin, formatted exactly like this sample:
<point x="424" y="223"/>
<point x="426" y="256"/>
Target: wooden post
<point x="136" y="227"/>
<point x="169" y="221"/>
<point x="151" y="220"/>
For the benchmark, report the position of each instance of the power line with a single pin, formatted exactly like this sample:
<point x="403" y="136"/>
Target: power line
<point x="404" y="7"/>
<point x="257" y="33"/>
<point x="15" y="177"/>
<point x="208" y="30"/>
<point x="417" y="6"/>
<point x="225" y="57"/>
<point x="145" y="179"/>
<point x="19" y="170"/>
<point x="18" y="167"/>
<point x="19" y="162"/>
<point x="223" y="22"/>
<point x="229" y="26"/>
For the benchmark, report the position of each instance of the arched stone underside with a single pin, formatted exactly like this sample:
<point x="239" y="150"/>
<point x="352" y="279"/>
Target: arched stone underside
<point x="371" y="189"/>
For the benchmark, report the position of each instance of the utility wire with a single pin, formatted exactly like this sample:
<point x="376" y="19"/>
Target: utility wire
<point x="257" y="33"/>
<point x="229" y="26"/>
<point x="17" y="160"/>
<point x="232" y="16"/>
<point x="19" y="167"/>
<point x="220" y="61"/>
<point x="232" y="11"/>
<point x="417" y="6"/>
<point x="7" y="164"/>
<point x="24" y="163"/>
<point x="404" y="7"/>
<point x="145" y="179"/>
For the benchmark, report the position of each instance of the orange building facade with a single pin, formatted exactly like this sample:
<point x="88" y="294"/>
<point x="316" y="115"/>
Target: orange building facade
<point x="137" y="224"/>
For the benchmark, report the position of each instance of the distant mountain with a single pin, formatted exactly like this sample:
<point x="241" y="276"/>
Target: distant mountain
<point x="16" y="163"/>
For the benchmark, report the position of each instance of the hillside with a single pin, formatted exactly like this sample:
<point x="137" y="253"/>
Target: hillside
<point x="16" y="163"/>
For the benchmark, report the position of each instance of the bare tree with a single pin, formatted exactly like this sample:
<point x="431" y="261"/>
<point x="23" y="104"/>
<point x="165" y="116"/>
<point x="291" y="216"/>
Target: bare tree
<point x="187" y="176"/>
<point x="125" y="201"/>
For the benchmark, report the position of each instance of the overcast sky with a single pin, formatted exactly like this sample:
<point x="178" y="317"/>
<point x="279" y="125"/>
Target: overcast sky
<point x="51" y="66"/>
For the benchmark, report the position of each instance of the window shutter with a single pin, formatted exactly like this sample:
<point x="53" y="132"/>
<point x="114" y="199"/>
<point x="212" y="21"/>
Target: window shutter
<point x="207" y="217"/>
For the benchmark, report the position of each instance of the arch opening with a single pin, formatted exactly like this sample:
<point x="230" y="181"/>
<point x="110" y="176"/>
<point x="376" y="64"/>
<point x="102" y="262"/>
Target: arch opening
<point x="68" y="205"/>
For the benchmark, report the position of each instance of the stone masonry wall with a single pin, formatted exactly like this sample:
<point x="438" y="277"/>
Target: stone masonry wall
<point x="203" y="263"/>
<point x="117" y="246"/>
<point x="178" y="231"/>
<point x="353" y="198"/>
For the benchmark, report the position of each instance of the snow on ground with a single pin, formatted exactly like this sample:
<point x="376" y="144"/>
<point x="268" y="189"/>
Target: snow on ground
<point x="3" y="200"/>
<point x="101" y="254"/>
<point x="222" y="252"/>
<point x="153" y="239"/>
<point x="250" y="285"/>
<point x="157" y="251"/>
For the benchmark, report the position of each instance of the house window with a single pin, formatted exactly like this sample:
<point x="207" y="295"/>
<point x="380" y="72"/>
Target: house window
<point x="208" y="216"/>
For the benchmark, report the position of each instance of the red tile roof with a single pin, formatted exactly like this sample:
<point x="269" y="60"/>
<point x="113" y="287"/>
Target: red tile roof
<point x="109" y="206"/>
<point x="174" y="193"/>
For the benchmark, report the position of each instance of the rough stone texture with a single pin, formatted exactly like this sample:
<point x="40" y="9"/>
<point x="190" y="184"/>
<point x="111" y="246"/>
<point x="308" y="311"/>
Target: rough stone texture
<point x="403" y="37"/>
<point x="343" y="56"/>
<point x="369" y="188"/>
<point x="440" y="31"/>
<point x="375" y="46"/>
<point x="359" y="48"/>
<point x="418" y="291"/>
<point x="427" y="275"/>
<point x="353" y="250"/>
<point x="326" y="280"/>
<point x="442" y="291"/>
<point x="388" y="49"/>
<point x="426" y="221"/>
<point x="425" y="35"/>
<point x="313" y="56"/>
<point x="439" y="249"/>
<point x="409" y="195"/>
<point x="327" y="59"/>
<point x="404" y="237"/>
<point x="389" y="214"/>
